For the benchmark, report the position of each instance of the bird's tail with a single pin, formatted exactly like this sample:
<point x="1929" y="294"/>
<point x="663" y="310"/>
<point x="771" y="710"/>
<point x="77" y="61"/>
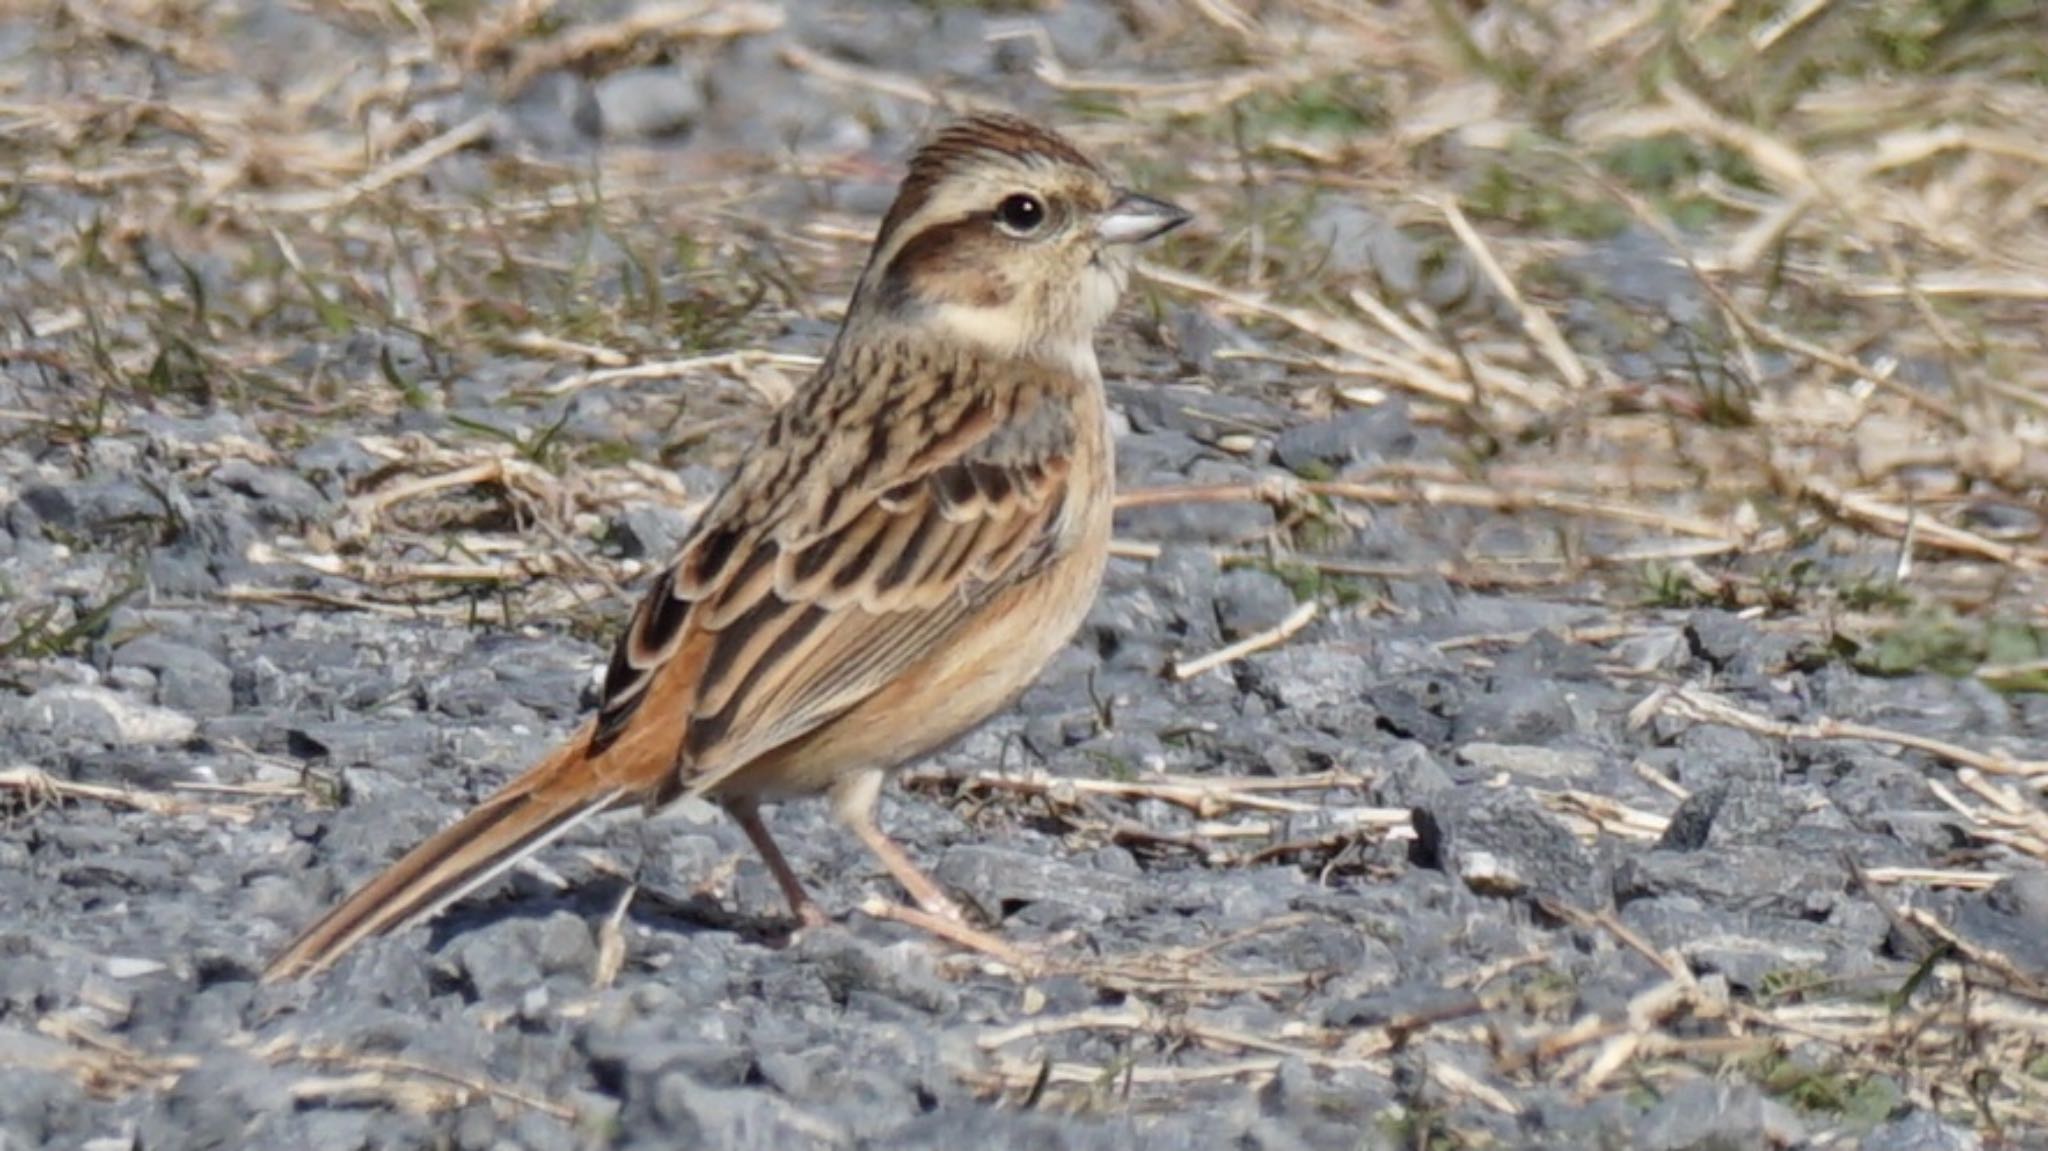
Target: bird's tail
<point x="558" y="793"/>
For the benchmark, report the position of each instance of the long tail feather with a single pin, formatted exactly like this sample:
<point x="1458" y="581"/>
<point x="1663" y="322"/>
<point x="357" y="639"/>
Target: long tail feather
<point x="528" y="814"/>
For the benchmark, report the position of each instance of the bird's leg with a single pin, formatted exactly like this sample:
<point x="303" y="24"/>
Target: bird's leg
<point x="746" y="811"/>
<point x="853" y="800"/>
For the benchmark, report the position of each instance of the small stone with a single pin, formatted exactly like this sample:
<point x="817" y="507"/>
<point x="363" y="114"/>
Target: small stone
<point x="1762" y="880"/>
<point x="1550" y="764"/>
<point x="188" y="679"/>
<point x="124" y="967"/>
<point x="133" y="680"/>
<point x="1217" y="523"/>
<point x="900" y="974"/>
<point x="499" y="959"/>
<point x="1500" y="841"/>
<point x="1249" y="600"/>
<point x="1409" y="774"/>
<point x="1720" y="637"/>
<point x="1487" y="874"/>
<point x="1367" y="435"/>
<point x="1706" y="1115"/>
<point x="1417" y="707"/>
<point x="650" y="103"/>
<point x="1415" y="1001"/>
<point x="1314" y="679"/>
<point x="2012" y="919"/>
<point x="2025" y="897"/>
<point x="648" y="530"/>
<point x="1516" y="711"/>
<point x="1714" y="754"/>
<point x="1355" y="240"/>
<point x="1737" y="812"/>
<point x="565" y="945"/>
<point x="1688" y="826"/>
<point x="1920" y="1130"/>
<point x="1084" y="33"/>
<point x="69" y="711"/>
<point x="555" y="110"/>
<point x="335" y="462"/>
<point x="2002" y="520"/>
<point x="1003" y="883"/>
<point x="1197" y="337"/>
<point x="281" y="497"/>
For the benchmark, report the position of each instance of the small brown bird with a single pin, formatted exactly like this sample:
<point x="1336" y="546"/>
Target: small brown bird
<point x="917" y="532"/>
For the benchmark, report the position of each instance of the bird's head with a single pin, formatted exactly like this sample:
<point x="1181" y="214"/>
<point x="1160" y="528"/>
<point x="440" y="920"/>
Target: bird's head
<point x="1006" y="236"/>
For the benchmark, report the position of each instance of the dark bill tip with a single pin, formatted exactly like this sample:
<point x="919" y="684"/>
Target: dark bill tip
<point x="1134" y="219"/>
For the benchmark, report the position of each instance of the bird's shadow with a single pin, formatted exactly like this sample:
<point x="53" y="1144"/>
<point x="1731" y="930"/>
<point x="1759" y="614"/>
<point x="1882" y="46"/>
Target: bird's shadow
<point x="597" y="900"/>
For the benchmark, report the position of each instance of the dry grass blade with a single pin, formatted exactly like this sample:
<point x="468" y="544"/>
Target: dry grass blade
<point x="1341" y="334"/>
<point x="736" y="362"/>
<point x="403" y="1080"/>
<point x="541" y="343"/>
<point x="1207" y="798"/>
<point x="103" y="1064"/>
<point x="1272" y="637"/>
<point x="1286" y="491"/>
<point x="611" y="941"/>
<point x="841" y="74"/>
<point x="1536" y="323"/>
<point x="1899" y="522"/>
<point x="38" y="787"/>
<point x="2009" y="971"/>
<point x="1703" y="707"/>
<point x="1935" y="877"/>
<point x="1602" y="814"/>
<point x="1169" y="1028"/>
<point x="640" y="26"/>
<point x="412" y="163"/>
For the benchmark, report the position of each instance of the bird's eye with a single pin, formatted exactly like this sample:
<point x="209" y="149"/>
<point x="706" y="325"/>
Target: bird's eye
<point x="1020" y="214"/>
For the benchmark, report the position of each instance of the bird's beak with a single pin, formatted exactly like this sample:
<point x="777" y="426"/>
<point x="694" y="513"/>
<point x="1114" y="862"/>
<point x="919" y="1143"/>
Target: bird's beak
<point x="1134" y="219"/>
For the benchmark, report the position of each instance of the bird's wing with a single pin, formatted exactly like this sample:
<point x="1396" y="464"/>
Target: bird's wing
<point x="783" y="613"/>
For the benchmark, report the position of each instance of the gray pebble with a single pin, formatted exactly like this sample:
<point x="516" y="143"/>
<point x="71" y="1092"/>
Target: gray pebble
<point x="1365" y="436"/>
<point x="1501" y="842"/>
<point x="656" y="103"/>
<point x="1000" y="883"/>
<point x="1706" y="1115"/>
<point x="649" y="531"/>
<point x="1251" y="600"/>
<point x="97" y="715"/>
<point x="1556" y="767"/>
<point x="1920" y="1130"/>
<point x="1794" y="884"/>
<point x="1721" y="638"/>
<point x="188" y="679"/>
<point x="1527" y="711"/>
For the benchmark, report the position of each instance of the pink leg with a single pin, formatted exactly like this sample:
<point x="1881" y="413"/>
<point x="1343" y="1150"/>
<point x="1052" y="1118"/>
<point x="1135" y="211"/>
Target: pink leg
<point x="853" y="800"/>
<point x="748" y="814"/>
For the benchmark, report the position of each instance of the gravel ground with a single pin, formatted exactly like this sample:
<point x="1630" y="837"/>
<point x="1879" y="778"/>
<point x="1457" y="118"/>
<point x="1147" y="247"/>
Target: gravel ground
<point x="1497" y="848"/>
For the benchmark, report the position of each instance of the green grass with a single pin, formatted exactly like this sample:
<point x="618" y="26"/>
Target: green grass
<point x="1526" y="189"/>
<point x="1859" y="1101"/>
<point x="37" y="634"/>
<point x="1941" y="642"/>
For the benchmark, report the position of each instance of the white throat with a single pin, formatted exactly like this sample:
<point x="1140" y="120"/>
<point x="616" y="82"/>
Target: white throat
<point x="997" y="331"/>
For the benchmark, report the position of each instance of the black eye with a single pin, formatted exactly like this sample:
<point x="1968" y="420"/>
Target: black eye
<point x="1021" y="214"/>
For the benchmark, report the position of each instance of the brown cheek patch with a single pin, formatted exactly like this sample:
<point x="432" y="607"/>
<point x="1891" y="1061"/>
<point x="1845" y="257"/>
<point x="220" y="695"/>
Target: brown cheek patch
<point x="949" y="263"/>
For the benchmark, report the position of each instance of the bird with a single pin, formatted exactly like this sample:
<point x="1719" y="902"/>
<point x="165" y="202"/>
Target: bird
<point x="910" y="540"/>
